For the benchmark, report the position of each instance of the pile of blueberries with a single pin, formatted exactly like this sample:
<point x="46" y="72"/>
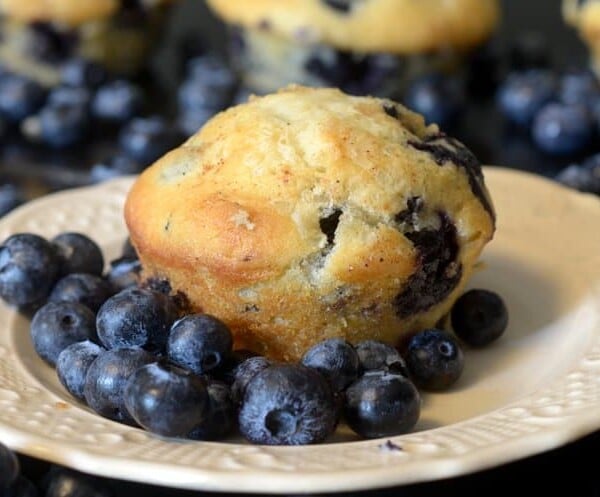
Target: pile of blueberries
<point x="133" y="354"/>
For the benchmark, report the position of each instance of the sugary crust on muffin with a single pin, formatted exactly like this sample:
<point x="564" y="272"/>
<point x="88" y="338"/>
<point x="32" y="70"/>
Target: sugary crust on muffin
<point x="68" y="12"/>
<point x="395" y="26"/>
<point x="286" y="217"/>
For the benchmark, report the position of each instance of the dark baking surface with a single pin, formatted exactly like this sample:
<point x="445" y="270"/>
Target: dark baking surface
<point x="571" y="470"/>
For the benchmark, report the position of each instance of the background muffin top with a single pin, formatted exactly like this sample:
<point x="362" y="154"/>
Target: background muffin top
<point x="397" y="26"/>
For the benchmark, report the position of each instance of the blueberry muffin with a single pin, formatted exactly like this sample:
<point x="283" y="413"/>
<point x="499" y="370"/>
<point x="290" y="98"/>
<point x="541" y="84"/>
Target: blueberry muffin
<point x="309" y="214"/>
<point x="38" y="35"/>
<point x="362" y="46"/>
<point x="584" y="15"/>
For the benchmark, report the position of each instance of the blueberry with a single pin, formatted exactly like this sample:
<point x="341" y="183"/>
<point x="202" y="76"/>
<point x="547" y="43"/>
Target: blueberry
<point x="56" y="325"/>
<point x="29" y="267"/>
<point x="128" y="250"/>
<point x="379" y="356"/>
<point x="584" y="177"/>
<point x="579" y="87"/>
<point x="211" y="71"/>
<point x="191" y="121"/>
<point x="165" y="399"/>
<point x="107" y="377"/>
<point x="434" y="359"/>
<point x="82" y="72"/>
<point x="9" y="466"/>
<point x="336" y="360"/>
<point x="136" y="317"/>
<point x="22" y="487"/>
<point x="70" y="95"/>
<point x="194" y="95"/>
<point x="226" y="371"/>
<point x="19" y="97"/>
<point x="287" y="405"/>
<point x="11" y="196"/>
<point x="124" y="272"/>
<point x="62" y="482"/>
<point x="438" y="98"/>
<point x="220" y="417"/>
<point x="79" y="253"/>
<point x="117" y="101"/>
<point x="114" y="167"/>
<point x="73" y="363"/>
<point x="381" y="404"/>
<point x="479" y="317"/>
<point x="147" y="139"/>
<point x="87" y="289"/>
<point x="523" y="94"/>
<point x="60" y="125"/>
<point x="563" y="129"/>
<point x="244" y="373"/>
<point x="199" y="342"/>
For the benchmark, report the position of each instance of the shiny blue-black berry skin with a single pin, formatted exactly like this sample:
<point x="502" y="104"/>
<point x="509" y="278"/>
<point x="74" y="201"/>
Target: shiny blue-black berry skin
<point x="563" y="129"/>
<point x="62" y="482"/>
<point x="87" y="289"/>
<point x="287" y="404"/>
<point x="166" y="399"/>
<point x="79" y="253"/>
<point x="479" y="317"/>
<point x="380" y="356"/>
<point x="336" y="360"/>
<point x="381" y="404"/>
<point x="435" y="359"/>
<point x="29" y="267"/>
<point x="9" y="466"/>
<point x="199" y="342"/>
<point x="221" y="414"/>
<point x="19" y="97"/>
<point x="73" y="363"/>
<point x="56" y="325"/>
<point x="117" y="101"/>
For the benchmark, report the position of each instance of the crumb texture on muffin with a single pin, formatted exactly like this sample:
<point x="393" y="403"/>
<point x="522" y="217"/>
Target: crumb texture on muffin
<point x="308" y="214"/>
<point x="396" y="26"/>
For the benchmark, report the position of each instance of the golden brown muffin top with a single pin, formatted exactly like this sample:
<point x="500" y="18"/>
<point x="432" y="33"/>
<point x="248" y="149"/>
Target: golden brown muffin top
<point x="395" y="26"/>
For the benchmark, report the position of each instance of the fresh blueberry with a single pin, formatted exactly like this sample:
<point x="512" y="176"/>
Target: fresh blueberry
<point x="336" y="360"/>
<point x="382" y="404"/>
<point x="87" y="289"/>
<point x="29" y="267"/>
<point x="128" y="250"/>
<point x="136" y="317"/>
<point x="73" y="363"/>
<point x="19" y="97"/>
<point x="579" y="87"/>
<point x="114" y="167"/>
<point x="107" y="377"/>
<point x="523" y="94"/>
<point x="479" y="317"/>
<point x="56" y="325"/>
<point x="244" y="373"/>
<point x="434" y="359"/>
<point x="11" y="196"/>
<point x="287" y="405"/>
<point x="191" y="121"/>
<point x="194" y="96"/>
<point x="70" y="95"/>
<point x="166" y="400"/>
<point x="147" y="139"/>
<point x="379" y="356"/>
<point x="62" y="482"/>
<point x="79" y="253"/>
<point x="211" y="71"/>
<point x="529" y="50"/>
<point x="226" y="371"/>
<point x="563" y="129"/>
<point x="117" y="101"/>
<point x="9" y="466"/>
<point x="124" y="272"/>
<point x="220" y="416"/>
<point x="22" y="487"/>
<point x="199" y="342"/>
<point x="59" y="125"/>
<point x="82" y="72"/>
<point x="438" y="98"/>
<point x="584" y="177"/>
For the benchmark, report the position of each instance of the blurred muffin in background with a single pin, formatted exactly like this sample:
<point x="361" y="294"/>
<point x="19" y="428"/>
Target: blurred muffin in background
<point x="584" y="15"/>
<point x="38" y="36"/>
<point x="362" y="46"/>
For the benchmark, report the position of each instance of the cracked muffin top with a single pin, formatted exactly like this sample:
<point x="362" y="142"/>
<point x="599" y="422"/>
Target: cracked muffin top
<point x="395" y="26"/>
<point x="68" y="12"/>
<point x="310" y="213"/>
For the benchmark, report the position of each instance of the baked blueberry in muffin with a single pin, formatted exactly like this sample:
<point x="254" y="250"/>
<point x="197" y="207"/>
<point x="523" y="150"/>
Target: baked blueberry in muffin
<point x="362" y="46"/>
<point x="309" y="214"/>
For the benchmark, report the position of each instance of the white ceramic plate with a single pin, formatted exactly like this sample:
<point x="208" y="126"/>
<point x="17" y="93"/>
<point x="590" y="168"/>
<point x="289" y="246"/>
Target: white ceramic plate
<point x="535" y="389"/>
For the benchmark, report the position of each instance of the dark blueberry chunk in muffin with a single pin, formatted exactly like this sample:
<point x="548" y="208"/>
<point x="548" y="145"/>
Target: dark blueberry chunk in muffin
<point x="329" y="224"/>
<point x="438" y="272"/>
<point x="414" y="205"/>
<point x="49" y="44"/>
<point x="344" y="6"/>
